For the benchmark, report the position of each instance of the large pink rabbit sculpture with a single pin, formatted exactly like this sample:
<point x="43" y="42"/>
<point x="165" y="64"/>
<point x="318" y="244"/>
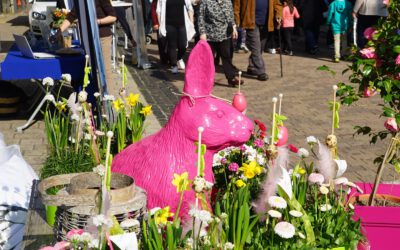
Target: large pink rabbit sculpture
<point x="153" y="161"/>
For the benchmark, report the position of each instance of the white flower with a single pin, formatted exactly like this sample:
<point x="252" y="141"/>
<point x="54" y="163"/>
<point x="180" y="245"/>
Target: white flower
<point x="341" y="181"/>
<point x="100" y="170"/>
<point x="303" y="153"/>
<point x="129" y="223"/>
<point x="199" y="183"/>
<point x="250" y="152"/>
<point x="82" y="96"/>
<point x="50" y="98"/>
<point x="228" y="246"/>
<point x="75" y="238"/>
<point x="86" y="237"/>
<point x="353" y="185"/>
<point x="189" y="242"/>
<point x="277" y="202"/>
<point x="194" y="212"/>
<point x="48" y="81"/>
<point x="284" y="229"/>
<point x="154" y="210"/>
<point x="205" y="216"/>
<point x="295" y="213"/>
<point x="301" y="235"/>
<point x="323" y="190"/>
<point x="94" y="243"/>
<point x="88" y="122"/>
<point x="325" y="207"/>
<point x="66" y="77"/>
<point x="217" y="159"/>
<point x="74" y="117"/>
<point x="96" y="94"/>
<point x="311" y="140"/>
<point x="274" y="214"/>
<point x="99" y="133"/>
<point x="71" y="139"/>
<point x="224" y="216"/>
<point x="266" y="140"/>
<point x="88" y="136"/>
<point x="351" y="206"/>
<point x="100" y="220"/>
<point x="209" y="185"/>
<point x="261" y="159"/>
<point x="79" y="109"/>
<point x="109" y="98"/>
<point x="316" y="178"/>
<point x="203" y="233"/>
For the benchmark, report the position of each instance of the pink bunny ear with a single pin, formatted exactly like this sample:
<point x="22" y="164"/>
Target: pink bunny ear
<point x="200" y="71"/>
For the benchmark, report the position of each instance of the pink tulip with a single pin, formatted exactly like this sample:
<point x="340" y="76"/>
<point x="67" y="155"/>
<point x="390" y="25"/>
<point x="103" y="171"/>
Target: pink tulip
<point x="391" y="125"/>
<point x="398" y="59"/>
<point x="369" y="91"/>
<point x="368" y="53"/>
<point x="74" y="231"/>
<point x="369" y="32"/>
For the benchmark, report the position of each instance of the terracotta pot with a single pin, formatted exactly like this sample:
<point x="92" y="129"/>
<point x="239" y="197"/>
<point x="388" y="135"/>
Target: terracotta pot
<point x="381" y="225"/>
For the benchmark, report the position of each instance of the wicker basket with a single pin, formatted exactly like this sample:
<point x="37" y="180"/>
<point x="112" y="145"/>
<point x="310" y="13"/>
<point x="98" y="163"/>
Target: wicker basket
<point x="77" y="200"/>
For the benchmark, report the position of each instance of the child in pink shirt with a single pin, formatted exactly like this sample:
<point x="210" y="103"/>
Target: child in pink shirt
<point x="289" y="13"/>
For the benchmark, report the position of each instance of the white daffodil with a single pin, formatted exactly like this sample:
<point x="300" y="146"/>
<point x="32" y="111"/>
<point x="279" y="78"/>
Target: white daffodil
<point x="285" y="229"/>
<point x="325" y="207"/>
<point x="303" y="153"/>
<point x="277" y="202"/>
<point x="48" y="81"/>
<point x="295" y="213"/>
<point x="274" y="214"/>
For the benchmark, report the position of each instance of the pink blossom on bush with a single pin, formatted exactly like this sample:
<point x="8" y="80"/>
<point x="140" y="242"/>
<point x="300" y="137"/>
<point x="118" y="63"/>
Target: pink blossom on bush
<point x="398" y="59"/>
<point x="369" y="32"/>
<point x="74" y="231"/>
<point x="258" y="143"/>
<point x="391" y="125"/>
<point x="368" y="53"/>
<point x="234" y="167"/>
<point x="369" y="91"/>
<point x="223" y="161"/>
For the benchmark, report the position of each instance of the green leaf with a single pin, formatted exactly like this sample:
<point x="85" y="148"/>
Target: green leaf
<point x="397" y="116"/>
<point x="397" y="167"/>
<point x="326" y="68"/>
<point x="388" y="86"/>
<point x="367" y="70"/>
<point x="388" y="112"/>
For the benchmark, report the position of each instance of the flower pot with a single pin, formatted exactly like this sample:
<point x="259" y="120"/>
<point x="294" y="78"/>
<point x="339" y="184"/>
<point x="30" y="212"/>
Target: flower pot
<point x="50" y="214"/>
<point x="381" y="225"/>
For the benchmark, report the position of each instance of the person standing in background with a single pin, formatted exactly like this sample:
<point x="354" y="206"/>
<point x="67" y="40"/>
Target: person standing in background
<point x="289" y="13"/>
<point x="311" y="13"/>
<point x="258" y="17"/>
<point x="161" y="41"/>
<point x="339" y="18"/>
<point x="176" y="23"/>
<point x="105" y="18"/>
<point x="367" y="13"/>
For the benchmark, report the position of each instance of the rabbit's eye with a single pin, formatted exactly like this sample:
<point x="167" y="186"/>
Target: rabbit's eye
<point x="220" y="113"/>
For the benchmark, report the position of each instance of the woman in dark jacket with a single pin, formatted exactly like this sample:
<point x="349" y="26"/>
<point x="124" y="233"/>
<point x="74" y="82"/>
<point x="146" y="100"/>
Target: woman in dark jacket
<point x="311" y="13"/>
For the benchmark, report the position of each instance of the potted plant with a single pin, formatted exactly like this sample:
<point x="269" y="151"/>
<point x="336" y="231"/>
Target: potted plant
<point x="375" y="71"/>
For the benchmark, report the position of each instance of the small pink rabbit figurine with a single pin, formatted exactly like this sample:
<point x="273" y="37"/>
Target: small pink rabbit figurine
<point x="153" y="161"/>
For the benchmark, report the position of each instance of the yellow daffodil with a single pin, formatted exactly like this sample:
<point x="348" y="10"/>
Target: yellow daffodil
<point x="162" y="215"/>
<point x="118" y="104"/>
<point x="132" y="99"/>
<point x="240" y="183"/>
<point x="250" y="170"/>
<point x="302" y="171"/>
<point x="61" y="106"/>
<point x="181" y="182"/>
<point x="146" y="110"/>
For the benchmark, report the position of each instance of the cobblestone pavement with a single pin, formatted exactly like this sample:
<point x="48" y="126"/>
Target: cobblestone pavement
<point x="305" y="102"/>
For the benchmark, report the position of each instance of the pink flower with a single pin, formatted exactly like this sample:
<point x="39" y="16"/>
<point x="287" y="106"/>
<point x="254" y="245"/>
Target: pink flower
<point x="293" y="148"/>
<point x="398" y="59"/>
<point x="234" y="167"/>
<point x="62" y="245"/>
<point x="368" y="53"/>
<point x="386" y="2"/>
<point x="369" y="32"/>
<point x="223" y="161"/>
<point x="258" y="143"/>
<point x="391" y="125"/>
<point x="47" y="248"/>
<point x="242" y="148"/>
<point x="316" y="178"/>
<point x="369" y="91"/>
<point x="73" y="232"/>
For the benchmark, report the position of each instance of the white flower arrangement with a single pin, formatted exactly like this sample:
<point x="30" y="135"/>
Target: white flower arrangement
<point x="285" y="230"/>
<point x="277" y="202"/>
<point x="275" y="214"/>
<point x="48" y="81"/>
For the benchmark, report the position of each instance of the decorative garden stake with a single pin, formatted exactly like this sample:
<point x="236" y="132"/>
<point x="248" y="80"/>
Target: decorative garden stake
<point x="331" y="140"/>
<point x="282" y="136"/>
<point x="200" y="130"/>
<point x="122" y="91"/>
<point x="272" y="151"/>
<point x="239" y="101"/>
<point x="280" y="103"/>
<point x="110" y="134"/>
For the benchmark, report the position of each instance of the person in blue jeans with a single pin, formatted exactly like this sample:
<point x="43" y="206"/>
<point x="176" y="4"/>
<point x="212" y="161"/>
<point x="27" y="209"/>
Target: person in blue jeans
<point x="311" y="13"/>
<point x="340" y="20"/>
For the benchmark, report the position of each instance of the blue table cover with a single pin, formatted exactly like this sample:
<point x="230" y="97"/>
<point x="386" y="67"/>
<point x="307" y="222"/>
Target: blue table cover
<point x="17" y="67"/>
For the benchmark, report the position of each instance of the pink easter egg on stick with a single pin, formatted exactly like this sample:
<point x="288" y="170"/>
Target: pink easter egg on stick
<point x="283" y="136"/>
<point x="239" y="102"/>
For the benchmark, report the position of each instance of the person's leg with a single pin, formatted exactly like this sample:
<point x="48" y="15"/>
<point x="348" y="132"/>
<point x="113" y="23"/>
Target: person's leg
<point x="265" y="38"/>
<point x="182" y="41"/>
<point x="225" y="53"/>
<point x="256" y="62"/>
<point x="121" y="17"/>
<point x="329" y="37"/>
<point x="286" y="37"/>
<point x="162" y="48"/>
<point x="112" y="87"/>
<point x="290" y="35"/>
<point x="172" y="37"/>
<point x="336" y="38"/>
